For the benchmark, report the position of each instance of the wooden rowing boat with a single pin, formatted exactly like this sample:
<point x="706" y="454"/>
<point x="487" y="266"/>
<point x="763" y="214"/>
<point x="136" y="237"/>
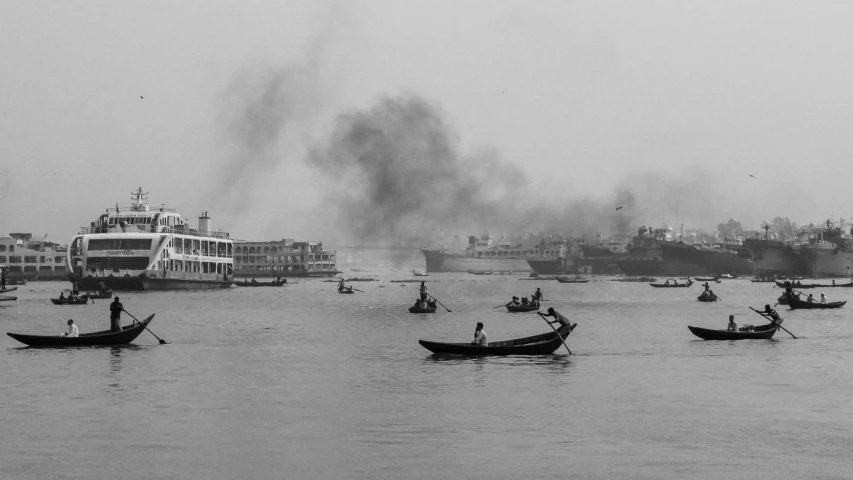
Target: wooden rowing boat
<point x="106" y="337"/>
<point x="8" y="290"/>
<point x="8" y="299"/>
<point x="542" y="344"/>
<point x="16" y="282"/>
<point x="798" y="286"/>
<point x="757" y="333"/>
<point x="797" y="304"/>
<point x="521" y="308"/>
<point x="274" y="283"/>
<point x="572" y="280"/>
<point x="414" y="309"/>
<point x="705" y="279"/>
<point x="81" y="300"/>
<point x="707" y="298"/>
<point x="672" y="285"/>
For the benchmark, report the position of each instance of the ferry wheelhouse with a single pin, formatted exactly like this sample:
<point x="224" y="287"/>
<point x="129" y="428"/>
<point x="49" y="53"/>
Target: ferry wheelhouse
<point x="144" y="248"/>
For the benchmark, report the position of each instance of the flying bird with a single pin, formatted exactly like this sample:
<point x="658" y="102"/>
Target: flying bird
<point x="618" y="208"/>
<point x="751" y="175"/>
<point x="140" y="96"/>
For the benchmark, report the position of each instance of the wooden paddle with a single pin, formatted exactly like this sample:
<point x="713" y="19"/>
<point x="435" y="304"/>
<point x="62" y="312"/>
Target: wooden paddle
<point x="555" y="331"/>
<point x="162" y="342"/>
<point x="763" y="314"/>
<point x="356" y="290"/>
<point x="436" y="301"/>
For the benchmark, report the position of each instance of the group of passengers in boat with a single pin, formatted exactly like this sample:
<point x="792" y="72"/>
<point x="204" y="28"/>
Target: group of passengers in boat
<point x="482" y="340"/>
<point x="708" y="293"/>
<point x="75" y="292"/>
<point x="791" y="295"/>
<point x="424" y="304"/>
<point x="768" y="312"/>
<point x="535" y="301"/>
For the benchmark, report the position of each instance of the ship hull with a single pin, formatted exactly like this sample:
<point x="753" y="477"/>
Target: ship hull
<point x="642" y="266"/>
<point x="128" y="283"/>
<point x="689" y="260"/>
<point x="437" y="261"/>
<point x="775" y="258"/>
<point x="828" y="262"/>
<point x="546" y="266"/>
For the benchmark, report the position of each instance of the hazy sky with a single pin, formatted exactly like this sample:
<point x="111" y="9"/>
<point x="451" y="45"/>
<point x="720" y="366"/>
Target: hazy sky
<point x="678" y="101"/>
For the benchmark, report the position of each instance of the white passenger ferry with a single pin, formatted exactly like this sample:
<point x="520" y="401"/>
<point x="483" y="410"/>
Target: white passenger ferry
<point x="143" y="248"/>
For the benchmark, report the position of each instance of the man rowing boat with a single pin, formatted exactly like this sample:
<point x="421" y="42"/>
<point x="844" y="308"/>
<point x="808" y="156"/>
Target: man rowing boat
<point x="557" y="316"/>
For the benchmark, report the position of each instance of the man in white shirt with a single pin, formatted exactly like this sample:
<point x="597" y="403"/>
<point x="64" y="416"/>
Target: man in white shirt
<point x="480" y="337"/>
<point x="822" y="298"/>
<point x="72" y="330"/>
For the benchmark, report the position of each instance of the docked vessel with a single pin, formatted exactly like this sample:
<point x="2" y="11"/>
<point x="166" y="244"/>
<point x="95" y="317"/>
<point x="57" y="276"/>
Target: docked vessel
<point x="140" y="248"/>
<point x="284" y="258"/>
<point x="772" y="257"/>
<point x="480" y="255"/>
<point x="683" y="259"/>
<point x="25" y="258"/>
<point x="829" y="254"/>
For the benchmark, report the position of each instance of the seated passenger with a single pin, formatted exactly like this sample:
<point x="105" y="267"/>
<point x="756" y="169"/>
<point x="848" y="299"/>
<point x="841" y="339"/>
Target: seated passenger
<point x="480" y="338"/>
<point x="524" y="302"/>
<point x="72" y="330"/>
<point x="515" y="301"/>
<point x="61" y="296"/>
<point x="822" y="298"/>
<point x="732" y="324"/>
<point x="810" y="299"/>
<point x="431" y="304"/>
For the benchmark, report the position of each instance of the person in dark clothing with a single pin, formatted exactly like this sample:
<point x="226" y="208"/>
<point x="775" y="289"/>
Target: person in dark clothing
<point x="115" y="315"/>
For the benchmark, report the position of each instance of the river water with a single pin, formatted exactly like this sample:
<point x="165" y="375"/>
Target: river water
<point x="300" y="382"/>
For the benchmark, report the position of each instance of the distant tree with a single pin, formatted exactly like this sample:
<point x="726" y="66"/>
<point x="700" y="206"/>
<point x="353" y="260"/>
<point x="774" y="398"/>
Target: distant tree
<point x="730" y="228"/>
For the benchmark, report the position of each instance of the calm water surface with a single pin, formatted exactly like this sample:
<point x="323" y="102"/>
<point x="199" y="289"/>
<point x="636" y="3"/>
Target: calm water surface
<point x="300" y="382"/>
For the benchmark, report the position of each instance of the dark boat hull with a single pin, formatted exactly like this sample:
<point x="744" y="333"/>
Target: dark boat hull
<point x="414" y="309"/>
<point x="260" y="284"/>
<point x="571" y="280"/>
<point x="83" y="300"/>
<point x="542" y="344"/>
<point x="8" y="290"/>
<point x="760" y="333"/>
<point x="8" y="299"/>
<point x="521" y="308"/>
<point x="801" y="305"/>
<point x="703" y="298"/>
<point x="103" y="338"/>
<point x="672" y="285"/>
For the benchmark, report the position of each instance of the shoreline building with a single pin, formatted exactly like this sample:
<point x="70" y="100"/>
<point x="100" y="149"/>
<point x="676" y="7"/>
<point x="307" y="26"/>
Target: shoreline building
<point x="283" y="258"/>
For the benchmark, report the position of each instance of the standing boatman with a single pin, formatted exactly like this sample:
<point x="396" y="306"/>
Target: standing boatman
<point x="538" y="295"/>
<point x="424" y="292"/>
<point x="115" y="315"/>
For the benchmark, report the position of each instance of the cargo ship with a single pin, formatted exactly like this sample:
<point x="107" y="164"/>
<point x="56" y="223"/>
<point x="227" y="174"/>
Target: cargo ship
<point x="140" y="248"/>
<point x="481" y="255"/>
<point x="830" y="254"/>
<point x="25" y="258"/>
<point x="680" y="258"/>
<point x="772" y="257"/>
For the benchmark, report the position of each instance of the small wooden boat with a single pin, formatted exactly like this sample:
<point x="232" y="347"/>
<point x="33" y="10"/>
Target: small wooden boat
<point x="707" y="298"/>
<point x="542" y="344"/>
<point x="106" y="337"/>
<point x="414" y="309"/>
<point x="705" y="279"/>
<point x="763" y="280"/>
<point x="8" y="290"/>
<point x="274" y="283"/>
<point x="672" y="285"/>
<point x="81" y="300"/>
<point x="8" y="299"/>
<point x="521" y="308"/>
<point x="782" y="300"/>
<point x="572" y="280"/>
<point x="347" y="290"/>
<point x="22" y="281"/>
<point x="480" y="272"/>
<point x="797" y="304"/>
<point x="419" y="274"/>
<point x="100" y="294"/>
<point x="798" y="286"/>
<point x="756" y="333"/>
<point x="727" y="275"/>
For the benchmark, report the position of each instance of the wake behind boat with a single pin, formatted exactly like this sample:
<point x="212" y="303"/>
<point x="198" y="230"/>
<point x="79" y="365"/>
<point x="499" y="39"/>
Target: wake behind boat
<point x="106" y="337"/>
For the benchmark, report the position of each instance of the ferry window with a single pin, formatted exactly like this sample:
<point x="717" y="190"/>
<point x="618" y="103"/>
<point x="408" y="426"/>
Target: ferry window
<point x="2" y="259"/>
<point x="58" y="259"/>
<point x="41" y="260"/>
<point x="2" y="248"/>
<point x="266" y="249"/>
<point x="11" y="248"/>
<point x="30" y="260"/>
<point x="45" y="268"/>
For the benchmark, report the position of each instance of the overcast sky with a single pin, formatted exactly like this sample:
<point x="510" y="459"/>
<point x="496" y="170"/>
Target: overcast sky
<point x="583" y="96"/>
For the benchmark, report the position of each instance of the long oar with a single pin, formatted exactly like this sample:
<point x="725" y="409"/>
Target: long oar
<point x="772" y="321"/>
<point x="162" y="342"/>
<point x="501" y="306"/>
<point x="356" y="290"/>
<point x="555" y="331"/>
<point x="436" y="301"/>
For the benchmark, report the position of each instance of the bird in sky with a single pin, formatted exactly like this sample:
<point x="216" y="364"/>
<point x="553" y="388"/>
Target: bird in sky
<point x="618" y="208"/>
<point x="751" y="175"/>
<point x="140" y="96"/>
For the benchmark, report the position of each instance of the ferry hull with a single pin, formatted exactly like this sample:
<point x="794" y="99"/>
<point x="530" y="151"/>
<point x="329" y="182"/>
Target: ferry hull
<point x="141" y="282"/>
<point x="437" y="261"/>
<point x="546" y="266"/>
<point x="689" y="260"/>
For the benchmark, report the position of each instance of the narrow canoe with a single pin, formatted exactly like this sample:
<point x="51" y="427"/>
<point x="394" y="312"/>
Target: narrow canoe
<point x="8" y="299"/>
<point x="274" y="283"/>
<point x="521" y="308"/>
<point x="758" y="333"/>
<point x="8" y="290"/>
<point x="542" y="344"/>
<point x="16" y="282"/>
<point x="82" y="300"/>
<point x="106" y="337"/>
<point x="705" y="279"/>
<point x="572" y="280"/>
<point x="796" y="304"/>
<point x="671" y="285"/>
<point x="704" y="298"/>
<point x="800" y="286"/>
<point x="414" y="309"/>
